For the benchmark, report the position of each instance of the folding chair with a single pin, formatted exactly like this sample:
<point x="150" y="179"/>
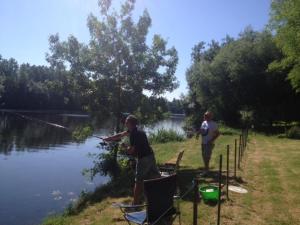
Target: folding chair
<point x="159" y="203"/>
<point x="171" y="168"/>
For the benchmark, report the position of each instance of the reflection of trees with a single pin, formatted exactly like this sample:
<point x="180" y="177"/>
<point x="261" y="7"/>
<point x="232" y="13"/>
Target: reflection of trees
<point x="21" y="134"/>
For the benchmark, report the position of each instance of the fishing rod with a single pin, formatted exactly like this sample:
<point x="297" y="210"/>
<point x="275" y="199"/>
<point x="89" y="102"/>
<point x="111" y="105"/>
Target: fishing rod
<point x="48" y="123"/>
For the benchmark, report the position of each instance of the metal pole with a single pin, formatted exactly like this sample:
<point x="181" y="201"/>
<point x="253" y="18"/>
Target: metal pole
<point x="227" y="173"/>
<point x="219" y="200"/>
<point x="196" y="200"/>
<point x="235" y="145"/>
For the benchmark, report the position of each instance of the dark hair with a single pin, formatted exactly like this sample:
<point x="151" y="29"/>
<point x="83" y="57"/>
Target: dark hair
<point x="132" y="120"/>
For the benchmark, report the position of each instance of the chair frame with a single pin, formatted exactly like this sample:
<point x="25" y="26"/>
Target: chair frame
<point x="124" y="207"/>
<point x="172" y="168"/>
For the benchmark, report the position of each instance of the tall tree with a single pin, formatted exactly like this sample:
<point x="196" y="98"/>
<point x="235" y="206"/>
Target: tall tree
<point x="285" y="17"/>
<point x="118" y="60"/>
<point x="235" y="79"/>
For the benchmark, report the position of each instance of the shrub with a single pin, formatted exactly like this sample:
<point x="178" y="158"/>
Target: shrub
<point x="294" y="132"/>
<point x="225" y="130"/>
<point x="163" y="136"/>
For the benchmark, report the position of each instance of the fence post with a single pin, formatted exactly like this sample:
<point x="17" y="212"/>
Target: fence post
<point x="219" y="200"/>
<point x="239" y="158"/>
<point x="196" y="200"/>
<point x="227" y="173"/>
<point x="242" y="147"/>
<point x="235" y="145"/>
<point x="244" y="139"/>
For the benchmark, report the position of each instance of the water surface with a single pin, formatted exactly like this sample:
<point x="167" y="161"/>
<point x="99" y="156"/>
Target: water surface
<point x="41" y="166"/>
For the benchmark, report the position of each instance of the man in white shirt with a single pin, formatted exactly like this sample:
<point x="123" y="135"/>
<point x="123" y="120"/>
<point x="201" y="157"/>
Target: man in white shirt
<point x="209" y="132"/>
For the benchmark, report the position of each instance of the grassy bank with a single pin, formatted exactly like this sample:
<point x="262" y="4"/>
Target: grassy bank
<point x="270" y="171"/>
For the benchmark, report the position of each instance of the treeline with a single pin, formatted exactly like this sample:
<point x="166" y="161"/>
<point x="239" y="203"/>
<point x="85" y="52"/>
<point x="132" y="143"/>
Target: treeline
<point x="233" y="79"/>
<point x="109" y="75"/>
<point x="30" y="87"/>
<point x="252" y="79"/>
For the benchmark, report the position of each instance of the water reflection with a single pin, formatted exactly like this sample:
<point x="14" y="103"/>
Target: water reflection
<point x="41" y="166"/>
<point x="19" y="134"/>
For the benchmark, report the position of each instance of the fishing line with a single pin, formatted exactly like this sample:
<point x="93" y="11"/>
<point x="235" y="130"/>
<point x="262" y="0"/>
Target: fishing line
<point x="48" y="123"/>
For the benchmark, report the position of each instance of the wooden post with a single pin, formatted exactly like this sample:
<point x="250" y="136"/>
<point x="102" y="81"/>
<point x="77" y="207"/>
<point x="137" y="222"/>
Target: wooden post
<point x="235" y="145"/>
<point x="239" y="158"/>
<point x="247" y="131"/>
<point x="227" y="173"/>
<point x="244" y="141"/>
<point x="196" y="200"/>
<point x="219" y="200"/>
<point x="242" y="145"/>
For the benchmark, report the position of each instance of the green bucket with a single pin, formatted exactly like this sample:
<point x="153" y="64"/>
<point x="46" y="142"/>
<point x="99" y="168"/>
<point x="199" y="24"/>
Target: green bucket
<point x="209" y="193"/>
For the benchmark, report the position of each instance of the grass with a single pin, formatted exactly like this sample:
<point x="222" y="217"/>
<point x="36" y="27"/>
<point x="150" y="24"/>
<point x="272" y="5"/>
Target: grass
<point x="269" y="171"/>
<point x="164" y="136"/>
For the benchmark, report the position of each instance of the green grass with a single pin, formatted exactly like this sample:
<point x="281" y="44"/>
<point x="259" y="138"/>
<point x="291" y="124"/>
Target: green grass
<point x="164" y="136"/>
<point x="270" y="170"/>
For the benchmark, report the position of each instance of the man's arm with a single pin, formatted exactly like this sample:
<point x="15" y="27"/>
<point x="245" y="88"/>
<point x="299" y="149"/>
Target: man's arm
<point x="199" y="131"/>
<point x="116" y="137"/>
<point x="216" y="134"/>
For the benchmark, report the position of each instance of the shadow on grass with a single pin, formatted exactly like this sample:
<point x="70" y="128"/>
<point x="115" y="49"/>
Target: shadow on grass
<point x="186" y="177"/>
<point x="121" y="186"/>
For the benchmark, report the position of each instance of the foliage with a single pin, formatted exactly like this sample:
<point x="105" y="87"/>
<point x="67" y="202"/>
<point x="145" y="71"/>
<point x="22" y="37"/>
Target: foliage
<point x="38" y="87"/>
<point x="118" y="59"/>
<point x="109" y="75"/>
<point x="232" y="80"/>
<point x="176" y="106"/>
<point x="285" y="17"/>
<point x="151" y="109"/>
<point x="82" y="133"/>
<point x="163" y="136"/>
<point x="225" y="130"/>
<point x="294" y="132"/>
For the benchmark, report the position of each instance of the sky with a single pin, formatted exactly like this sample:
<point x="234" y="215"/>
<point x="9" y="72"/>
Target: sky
<point x="25" y="25"/>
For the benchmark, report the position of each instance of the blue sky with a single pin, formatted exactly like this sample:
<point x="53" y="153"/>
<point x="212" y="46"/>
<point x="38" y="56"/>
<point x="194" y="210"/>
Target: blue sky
<point x="26" y="25"/>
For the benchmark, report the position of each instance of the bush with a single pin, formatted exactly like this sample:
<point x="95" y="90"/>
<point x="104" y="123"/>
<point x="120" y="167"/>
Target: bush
<point x="294" y="132"/>
<point x="163" y="136"/>
<point x="225" y="130"/>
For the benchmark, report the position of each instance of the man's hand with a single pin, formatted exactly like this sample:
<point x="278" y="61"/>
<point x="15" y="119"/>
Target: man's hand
<point x="131" y="150"/>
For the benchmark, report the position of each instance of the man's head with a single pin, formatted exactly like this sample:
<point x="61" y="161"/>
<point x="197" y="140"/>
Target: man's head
<point x="208" y="115"/>
<point x="131" y="122"/>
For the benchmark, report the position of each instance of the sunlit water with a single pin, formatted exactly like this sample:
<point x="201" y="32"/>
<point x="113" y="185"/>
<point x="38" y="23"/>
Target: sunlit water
<point x="41" y="167"/>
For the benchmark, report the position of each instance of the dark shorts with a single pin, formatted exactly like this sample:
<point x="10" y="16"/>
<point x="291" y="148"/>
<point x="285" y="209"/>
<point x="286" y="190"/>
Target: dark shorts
<point x="207" y="151"/>
<point x="146" y="169"/>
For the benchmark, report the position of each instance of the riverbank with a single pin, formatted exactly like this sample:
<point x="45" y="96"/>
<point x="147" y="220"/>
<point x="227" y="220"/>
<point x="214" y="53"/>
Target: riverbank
<point x="269" y="172"/>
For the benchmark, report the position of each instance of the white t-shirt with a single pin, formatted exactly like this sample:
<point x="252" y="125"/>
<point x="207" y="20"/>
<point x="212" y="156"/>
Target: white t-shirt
<point x="208" y="129"/>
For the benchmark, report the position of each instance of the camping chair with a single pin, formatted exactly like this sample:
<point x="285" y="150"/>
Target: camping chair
<point x="159" y="203"/>
<point x="171" y="168"/>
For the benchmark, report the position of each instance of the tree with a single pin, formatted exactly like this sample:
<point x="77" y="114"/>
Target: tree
<point x="232" y="78"/>
<point x="285" y="19"/>
<point x="8" y="78"/>
<point x="118" y="60"/>
<point x="37" y="87"/>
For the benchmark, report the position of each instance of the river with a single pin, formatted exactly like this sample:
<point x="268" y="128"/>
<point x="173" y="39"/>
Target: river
<point x="41" y="166"/>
